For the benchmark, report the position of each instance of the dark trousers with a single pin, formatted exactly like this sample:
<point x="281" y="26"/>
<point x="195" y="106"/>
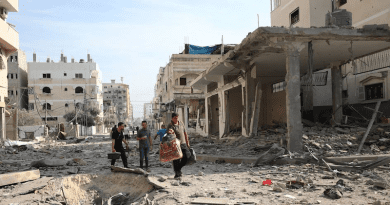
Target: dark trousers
<point x="180" y="163"/>
<point x="143" y="154"/>
<point x="123" y="156"/>
<point x="127" y="137"/>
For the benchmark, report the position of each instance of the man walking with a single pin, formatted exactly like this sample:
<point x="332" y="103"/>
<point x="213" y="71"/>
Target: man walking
<point x="145" y="141"/>
<point x="117" y="139"/>
<point x="181" y="134"/>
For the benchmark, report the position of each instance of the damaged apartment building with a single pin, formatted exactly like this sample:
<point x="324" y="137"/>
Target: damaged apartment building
<point x="173" y="92"/>
<point x="117" y="97"/>
<point x="364" y="78"/>
<point x="58" y="88"/>
<point x="278" y="71"/>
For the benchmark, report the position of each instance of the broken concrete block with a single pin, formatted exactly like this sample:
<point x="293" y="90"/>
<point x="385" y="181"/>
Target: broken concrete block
<point x="16" y="177"/>
<point x="381" y="185"/>
<point x="31" y="186"/>
<point x="274" y="152"/>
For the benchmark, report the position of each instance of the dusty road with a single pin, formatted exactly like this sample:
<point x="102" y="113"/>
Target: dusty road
<point x="210" y="182"/>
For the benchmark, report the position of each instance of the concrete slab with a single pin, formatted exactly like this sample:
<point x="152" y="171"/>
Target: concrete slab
<point x="16" y="177"/>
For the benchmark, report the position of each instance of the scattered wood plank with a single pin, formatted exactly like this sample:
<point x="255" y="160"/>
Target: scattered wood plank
<point x="210" y="201"/>
<point x="378" y="104"/>
<point x="16" y="177"/>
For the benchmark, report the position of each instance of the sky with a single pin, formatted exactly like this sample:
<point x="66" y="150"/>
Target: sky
<point x="132" y="38"/>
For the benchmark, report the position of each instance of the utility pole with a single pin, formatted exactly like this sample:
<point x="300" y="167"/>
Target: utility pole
<point x="75" y="110"/>
<point x="46" y="131"/>
<point x="85" y="104"/>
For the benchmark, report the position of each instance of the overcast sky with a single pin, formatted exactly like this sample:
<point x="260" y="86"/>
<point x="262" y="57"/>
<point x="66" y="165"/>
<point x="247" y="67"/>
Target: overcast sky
<point x="132" y="38"/>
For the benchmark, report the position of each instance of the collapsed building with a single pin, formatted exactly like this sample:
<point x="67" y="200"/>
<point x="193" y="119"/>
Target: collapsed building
<point x="243" y="90"/>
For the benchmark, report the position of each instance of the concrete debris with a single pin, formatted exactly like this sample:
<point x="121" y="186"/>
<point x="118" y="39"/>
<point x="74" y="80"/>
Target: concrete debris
<point x="274" y="152"/>
<point x="48" y="163"/>
<point x="17" y="177"/>
<point x="380" y="184"/>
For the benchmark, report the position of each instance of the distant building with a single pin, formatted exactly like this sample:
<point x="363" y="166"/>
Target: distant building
<point x="173" y="92"/>
<point x="118" y="95"/>
<point x="62" y="87"/>
<point x="9" y="43"/>
<point x="17" y="80"/>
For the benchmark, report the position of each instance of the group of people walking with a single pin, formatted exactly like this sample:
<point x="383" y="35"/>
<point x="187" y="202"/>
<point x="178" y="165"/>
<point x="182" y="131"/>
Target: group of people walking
<point x="144" y="139"/>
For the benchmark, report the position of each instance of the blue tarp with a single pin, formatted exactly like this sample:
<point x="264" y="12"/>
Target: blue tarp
<point x="201" y="50"/>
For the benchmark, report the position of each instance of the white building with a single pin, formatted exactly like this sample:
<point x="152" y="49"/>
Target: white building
<point x="62" y="87"/>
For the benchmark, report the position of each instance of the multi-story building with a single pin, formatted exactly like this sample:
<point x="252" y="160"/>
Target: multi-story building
<point x="9" y="43"/>
<point x="17" y="92"/>
<point x="173" y="92"/>
<point x="118" y="95"/>
<point x="17" y="80"/>
<point x="366" y="79"/>
<point x="61" y="87"/>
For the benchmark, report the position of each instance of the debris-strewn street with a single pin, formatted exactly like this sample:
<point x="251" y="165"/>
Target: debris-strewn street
<point x="78" y="171"/>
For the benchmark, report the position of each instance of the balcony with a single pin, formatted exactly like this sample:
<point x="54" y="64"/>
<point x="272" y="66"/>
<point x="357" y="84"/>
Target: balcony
<point x="10" y="5"/>
<point x="9" y="37"/>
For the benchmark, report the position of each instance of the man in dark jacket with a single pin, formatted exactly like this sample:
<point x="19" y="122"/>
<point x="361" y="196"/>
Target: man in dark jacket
<point x="117" y="139"/>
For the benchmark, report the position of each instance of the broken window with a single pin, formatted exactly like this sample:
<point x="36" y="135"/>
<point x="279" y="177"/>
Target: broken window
<point x="66" y="105"/>
<point x="79" y="90"/>
<point x="294" y="16"/>
<point x="277" y="87"/>
<point x="183" y="81"/>
<point x="31" y="106"/>
<point x="66" y="89"/>
<point x="342" y="2"/>
<point x="374" y="91"/>
<point x="46" y="90"/>
<point x="65" y="74"/>
<point x="79" y="75"/>
<point x="46" y="106"/>
<point x="46" y="75"/>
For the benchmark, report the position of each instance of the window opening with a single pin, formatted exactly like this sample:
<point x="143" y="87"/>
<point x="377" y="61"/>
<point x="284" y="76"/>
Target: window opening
<point x="342" y="2"/>
<point x="374" y="91"/>
<point x="294" y="16"/>
<point x="65" y="74"/>
<point x="79" y="90"/>
<point x="66" y="89"/>
<point x="46" y="75"/>
<point x="79" y="75"/>
<point x="46" y="106"/>
<point x="46" y="90"/>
